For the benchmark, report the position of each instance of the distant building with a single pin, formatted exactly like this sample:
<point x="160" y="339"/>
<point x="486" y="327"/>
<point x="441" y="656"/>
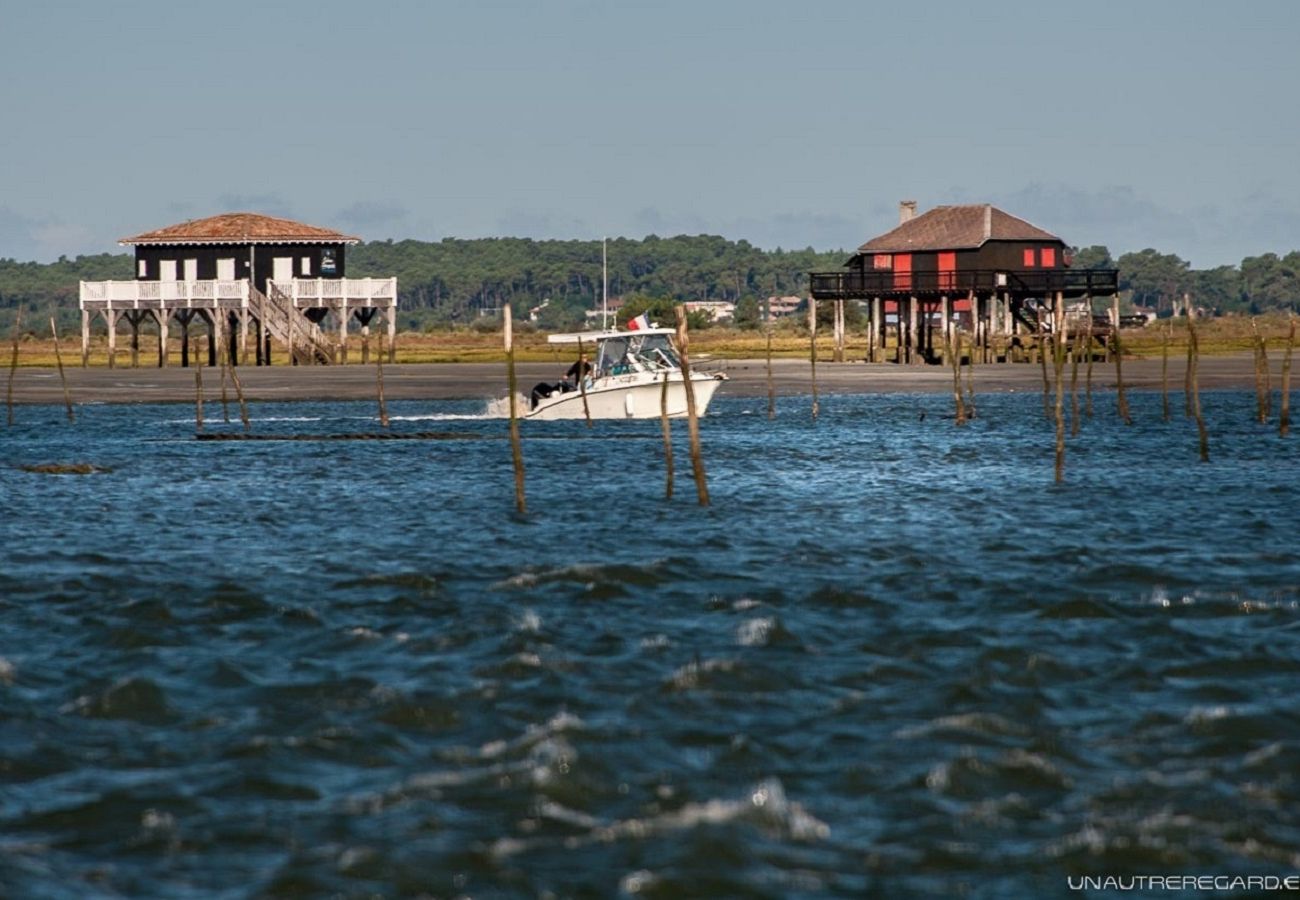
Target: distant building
<point x="783" y="306"/>
<point x="716" y="310"/>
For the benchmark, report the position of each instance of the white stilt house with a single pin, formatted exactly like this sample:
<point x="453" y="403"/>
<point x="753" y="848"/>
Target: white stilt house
<point x="243" y="276"/>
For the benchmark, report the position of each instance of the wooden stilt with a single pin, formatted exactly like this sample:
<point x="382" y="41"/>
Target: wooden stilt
<point x="876" y="341"/>
<point x="392" y="333"/>
<point x="516" y="451"/>
<point x="110" y="316"/>
<point x="213" y="325"/>
<point x="163" y="318"/>
<point x="839" y="330"/>
<point x="343" y="332"/>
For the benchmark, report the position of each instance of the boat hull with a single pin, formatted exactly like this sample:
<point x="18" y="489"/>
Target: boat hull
<point x="629" y="397"/>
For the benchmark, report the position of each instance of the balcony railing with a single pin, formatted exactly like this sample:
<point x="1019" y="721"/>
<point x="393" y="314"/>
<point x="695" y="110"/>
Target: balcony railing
<point x="316" y="292"/>
<point x="155" y="294"/>
<point x="210" y="294"/>
<point x="1029" y="283"/>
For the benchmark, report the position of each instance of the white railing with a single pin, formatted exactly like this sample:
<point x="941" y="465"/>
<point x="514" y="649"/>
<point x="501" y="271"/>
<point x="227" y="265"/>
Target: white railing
<point x="305" y="292"/>
<point x="126" y="294"/>
<point x="302" y="292"/>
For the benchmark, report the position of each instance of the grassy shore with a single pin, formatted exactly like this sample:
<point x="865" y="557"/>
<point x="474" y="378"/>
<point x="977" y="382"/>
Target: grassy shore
<point x="789" y="341"/>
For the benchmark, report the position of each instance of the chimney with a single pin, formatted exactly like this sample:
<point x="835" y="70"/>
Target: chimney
<point x="906" y="211"/>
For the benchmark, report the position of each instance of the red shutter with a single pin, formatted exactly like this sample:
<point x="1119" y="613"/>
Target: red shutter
<point x="947" y="270"/>
<point x="1029" y="257"/>
<point x="902" y="271"/>
<point x="882" y="261"/>
<point x="1049" y="257"/>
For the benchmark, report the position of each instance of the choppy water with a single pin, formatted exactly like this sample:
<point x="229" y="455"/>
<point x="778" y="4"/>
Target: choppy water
<point x="893" y="657"/>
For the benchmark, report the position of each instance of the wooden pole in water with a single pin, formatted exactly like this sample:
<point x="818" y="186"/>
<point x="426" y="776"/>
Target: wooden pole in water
<point x="1284" y="410"/>
<point x="239" y="392"/>
<point x="379" y="378"/>
<point x="692" y="416"/>
<point x="1196" y="393"/>
<point x="582" y="382"/>
<point x="1087" y="390"/>
<point x="225" y="399"/>
<point x="812" y="352"/>
<point x="13" y="364"/>
<point x="516" y="451"/>
<point x="1120" y="399"/>
<point x="1058" y="366"/>
<point x="1187" y="373"/>
<point x="952" y="350"/>
<point x="666" y="423"/>
<point x="63" y="379"/>
<point x="198" y="398"/>
<point x="1164" y="370"/>
<point x="771" y="391"/>
<point x="1075" y="349"/>
<point x="1043" y="338"/>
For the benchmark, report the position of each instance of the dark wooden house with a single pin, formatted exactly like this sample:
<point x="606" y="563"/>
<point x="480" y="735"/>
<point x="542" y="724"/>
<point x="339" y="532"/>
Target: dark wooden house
<point x="999" y="270"/>
<point x="242" y="272"/>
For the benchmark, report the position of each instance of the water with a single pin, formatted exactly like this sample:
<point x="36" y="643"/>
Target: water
<point x="892" y="658"/>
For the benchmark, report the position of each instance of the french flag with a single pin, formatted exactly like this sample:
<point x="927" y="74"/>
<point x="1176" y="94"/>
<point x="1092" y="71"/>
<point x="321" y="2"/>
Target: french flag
<point x="640" y="323"/>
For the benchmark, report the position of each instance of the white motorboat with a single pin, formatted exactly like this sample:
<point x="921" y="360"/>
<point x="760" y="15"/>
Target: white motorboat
<point x="627" y="380"/>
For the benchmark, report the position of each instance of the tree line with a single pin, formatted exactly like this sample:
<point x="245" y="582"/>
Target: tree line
<point x="457" y="281"/>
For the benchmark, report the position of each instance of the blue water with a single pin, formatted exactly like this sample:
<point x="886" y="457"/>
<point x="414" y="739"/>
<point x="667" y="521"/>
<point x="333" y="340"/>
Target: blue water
<point x="892" y="658"/>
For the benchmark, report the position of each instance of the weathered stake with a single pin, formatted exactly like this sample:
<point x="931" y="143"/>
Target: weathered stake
<point x="771" y="391"/>
<point x="1120" y="399"/>
<point x="239" y="392"/>
<point x="812" y="352"/>
<point x="516" y="451"/>
<point x="1164" y="370"/>
<point x="582" y="383"/>
<point x="666" y="423"/>
<point x="63" y="379"/>
<point x="1058" y="366"/>
<point x="1284" y="410"/>
<point x="1087" y="407"/>
<point x="198" y="398"/>
<point x="692" y="416"/>
<point x="952" y="347"/>
<point x="1195" y="390"/>
<point x="13" y="364"/>
<point x="1075" y="350"/>
<point x="1042" y="359"/>
<point x="379" y="378"/>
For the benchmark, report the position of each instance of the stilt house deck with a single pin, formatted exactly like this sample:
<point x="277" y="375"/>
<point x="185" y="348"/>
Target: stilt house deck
<point x="999" y="271"/>
<point x="237" y="273"/>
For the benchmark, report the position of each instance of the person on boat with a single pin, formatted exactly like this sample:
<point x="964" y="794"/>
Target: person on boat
<point x="578" y="371"/>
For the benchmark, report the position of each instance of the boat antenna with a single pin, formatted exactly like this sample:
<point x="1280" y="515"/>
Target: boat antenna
<point x="604" y="276"/>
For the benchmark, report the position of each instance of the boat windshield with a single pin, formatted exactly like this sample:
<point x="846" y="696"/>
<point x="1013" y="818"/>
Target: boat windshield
<point x="636" y="353"/>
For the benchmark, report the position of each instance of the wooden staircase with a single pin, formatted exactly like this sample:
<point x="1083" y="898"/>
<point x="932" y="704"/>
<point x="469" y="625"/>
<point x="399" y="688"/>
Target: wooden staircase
<point x="306" y="342"/>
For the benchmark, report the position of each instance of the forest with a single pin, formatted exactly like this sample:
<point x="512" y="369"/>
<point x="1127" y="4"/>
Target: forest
<point x="454" y="282"/>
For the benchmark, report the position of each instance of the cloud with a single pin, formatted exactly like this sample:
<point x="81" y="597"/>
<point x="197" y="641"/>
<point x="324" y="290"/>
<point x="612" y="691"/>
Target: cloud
<point x="24" y="238"/>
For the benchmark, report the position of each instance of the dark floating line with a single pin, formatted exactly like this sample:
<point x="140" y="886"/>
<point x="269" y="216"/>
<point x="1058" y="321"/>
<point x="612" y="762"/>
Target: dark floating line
<point x="354" y="436"/>
<point x="66" y="469"/>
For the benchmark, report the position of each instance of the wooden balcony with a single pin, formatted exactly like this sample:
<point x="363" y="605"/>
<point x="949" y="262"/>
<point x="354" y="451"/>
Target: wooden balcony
<point x="848" y="284"/>
<point x="304" y="293"/>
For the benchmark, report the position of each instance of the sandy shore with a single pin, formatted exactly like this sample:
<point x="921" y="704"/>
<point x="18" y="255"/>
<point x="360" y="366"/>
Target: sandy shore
<point x="447" y="381"/>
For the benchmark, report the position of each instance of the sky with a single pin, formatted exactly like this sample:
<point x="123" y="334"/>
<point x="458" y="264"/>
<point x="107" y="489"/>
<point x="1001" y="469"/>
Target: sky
<point x="790" y="124"/>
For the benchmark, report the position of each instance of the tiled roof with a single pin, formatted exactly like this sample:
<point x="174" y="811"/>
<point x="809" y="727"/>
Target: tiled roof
<point x="241" y="228"/>
<point x="955" y="228"/>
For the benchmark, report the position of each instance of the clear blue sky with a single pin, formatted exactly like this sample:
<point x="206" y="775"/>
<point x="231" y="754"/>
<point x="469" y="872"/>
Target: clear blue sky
<point x="792" y="124"/>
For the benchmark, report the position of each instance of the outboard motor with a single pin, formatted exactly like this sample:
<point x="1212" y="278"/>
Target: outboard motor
<point x="540" y="392"/>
